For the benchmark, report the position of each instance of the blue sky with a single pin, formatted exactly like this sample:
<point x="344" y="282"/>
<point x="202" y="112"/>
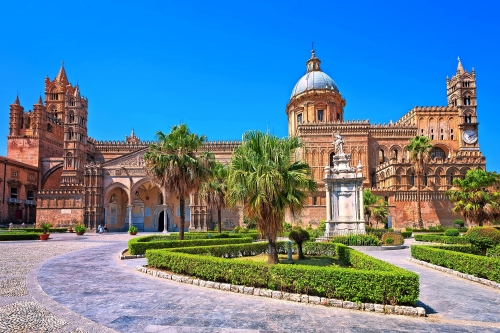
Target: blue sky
<point x="227" y="67"/>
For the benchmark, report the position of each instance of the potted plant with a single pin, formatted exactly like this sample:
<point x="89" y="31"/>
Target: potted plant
<point x="133" y="230"/>
<point x="45" y="229"/>
<point x="80" y="229"/>
<point x="70" y="228"/>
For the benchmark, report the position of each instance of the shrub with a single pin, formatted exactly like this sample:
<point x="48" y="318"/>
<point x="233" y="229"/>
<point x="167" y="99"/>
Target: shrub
<point x="479" y="266"/>
<point x="452" y="232"/>
<point x="397" y="239"/>
<point x="368" y="279"/>
<point x="133" y="229"/>
<point x="441" y="239"/>
<point x="287" y="227"/>
<point x="14" y="236"/>
<point x="80" y="228"/>
<point x="406" y="234"/>
<point x="45" y="226"/>
<point x="141" y="244"/>
<point x="483" y="237"/>
<point x="389" y="241"/>
<point x="299" y="236"/>
<point x="51" y="230"/>
<point x="459" y="223"/>
<point x="356" y="240"/>
<point x="493" y="252"/>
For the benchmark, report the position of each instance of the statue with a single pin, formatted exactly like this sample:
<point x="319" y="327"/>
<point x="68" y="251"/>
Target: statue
<point x="338" y="144"/>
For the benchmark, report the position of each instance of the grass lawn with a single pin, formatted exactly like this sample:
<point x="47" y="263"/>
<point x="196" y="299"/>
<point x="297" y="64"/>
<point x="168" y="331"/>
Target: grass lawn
<point x="309" y="261"/>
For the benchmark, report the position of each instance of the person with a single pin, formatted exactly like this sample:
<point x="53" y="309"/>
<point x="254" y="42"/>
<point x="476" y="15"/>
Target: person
<point x="100" y="229"/>
<point x="105" y="228"/>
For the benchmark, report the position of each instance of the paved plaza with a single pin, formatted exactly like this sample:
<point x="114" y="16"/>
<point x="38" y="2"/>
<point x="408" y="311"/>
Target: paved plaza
<point x="78" y="284"/>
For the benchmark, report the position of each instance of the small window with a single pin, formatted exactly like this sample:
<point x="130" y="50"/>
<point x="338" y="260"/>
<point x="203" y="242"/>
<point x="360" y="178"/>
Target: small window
<point x="299" y="118"/>
<point x="55" y="97"/>
<point x="381" y="157"/>
<point x="315" y="201"/>
<point x="468" y="119"/>
<point x="452" y="177"/>
<point x="338" y="116"/>
<point x="13" y="192"/>
<point x="320" y="115"/>
<point x="425" y="179"/>
<point x="49" y="128"/>
<point x="14" y="174"/>
<point x="331" y="158"/>
<point x="395" y="154"/>
<point x="455" y="102"/>
<point x="442" y="137"/>
<point x="412" y="179"/>
<point x="30" y="195"/>
<point x="467" y="101"/>
<point x="386" y="199"/>
<point x="422" y="131"/>
<point x="432" y="137"/>
<point x="437" y="152"/>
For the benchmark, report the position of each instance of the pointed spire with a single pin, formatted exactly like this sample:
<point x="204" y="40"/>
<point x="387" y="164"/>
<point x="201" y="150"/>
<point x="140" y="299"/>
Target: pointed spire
<point x="77" y="92"/>
<point x="39" y="100"/>
<point x="460" y="68"/>
<point x="132" y="135"/>
<point x="16" y="102"/>
<point x="61" y="76"/>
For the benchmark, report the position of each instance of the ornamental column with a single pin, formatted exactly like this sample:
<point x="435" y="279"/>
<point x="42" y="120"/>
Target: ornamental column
<point x="328" y="196"/>
<point x="165" y="219"/>
<point x="129" y="209"/>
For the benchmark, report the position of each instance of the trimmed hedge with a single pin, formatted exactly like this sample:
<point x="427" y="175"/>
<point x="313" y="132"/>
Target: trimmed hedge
<point x="52" y="230"/>
<point x="139" y="246"/>
<point x="406" y="234"/>
<point x="14" y="236"/>
<point x="367" y="280"/>
<point x="479" y="266"/>
<point x="441" y="239"/>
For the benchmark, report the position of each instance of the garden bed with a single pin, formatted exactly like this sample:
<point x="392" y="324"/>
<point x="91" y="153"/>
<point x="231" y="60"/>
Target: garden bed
<point x="441" y="239"/>
<point x="16" y="236"/>
<point x="367" y="280"/>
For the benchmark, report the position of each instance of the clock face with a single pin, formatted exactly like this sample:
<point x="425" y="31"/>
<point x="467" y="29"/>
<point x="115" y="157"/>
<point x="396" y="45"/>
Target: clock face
<point x="469" y="136"/>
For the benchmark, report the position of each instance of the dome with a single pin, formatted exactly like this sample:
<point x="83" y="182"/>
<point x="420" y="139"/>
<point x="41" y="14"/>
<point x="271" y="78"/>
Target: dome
<point x="314" y="80"/>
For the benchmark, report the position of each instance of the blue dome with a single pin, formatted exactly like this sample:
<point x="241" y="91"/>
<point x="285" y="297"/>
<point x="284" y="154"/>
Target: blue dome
<point x="314" y="80"/>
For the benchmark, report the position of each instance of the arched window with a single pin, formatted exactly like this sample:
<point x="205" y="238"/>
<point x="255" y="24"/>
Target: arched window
<point x="412" y="179"/>
<point x="331" y="158"/>
<point x="71" y="117"/>
<point x="299" y="118"/>
<point x="395" y="151"/>
<point x="321" y="116"/>
<point x="437" y="152"/>
<point x="468" y="118"/>
<point x="381" y="157"/>
<point x="69" y="160"/>
<point x="467" y="100"/>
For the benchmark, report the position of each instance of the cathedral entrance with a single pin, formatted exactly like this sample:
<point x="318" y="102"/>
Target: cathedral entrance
<point x="161" y="218"/>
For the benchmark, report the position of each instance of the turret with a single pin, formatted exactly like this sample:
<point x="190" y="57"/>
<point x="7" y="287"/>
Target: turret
<point x="16" y="113"/>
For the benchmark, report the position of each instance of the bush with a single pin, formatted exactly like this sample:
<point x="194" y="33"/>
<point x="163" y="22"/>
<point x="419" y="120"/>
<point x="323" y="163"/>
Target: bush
<point x="141" y="244"/>
<point x="389" y="241"/>
<point x="287" y="227"/>
<point x="80" y="228"/>
<point x="406" y="234"/>
<point x="14" y="236"/>
<point x="483" y="237"/>
<point x="493" y="252"/>
<point x="299" y="236"/>
<point x="51" y="230"/>
<point x="452" y="232"/>
<point x="441" y="239"/>
<point x="368" y="279"/>
<point x="459" y="223"/>
<point x="356" y="240"/>
<point x="479" y="266"/>
<point x="397" y="239"/>
<point x="133" y="229"/>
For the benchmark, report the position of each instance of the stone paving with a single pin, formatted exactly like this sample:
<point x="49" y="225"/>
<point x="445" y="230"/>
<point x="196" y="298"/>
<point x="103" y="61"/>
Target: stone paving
<point x="71" y="284"/>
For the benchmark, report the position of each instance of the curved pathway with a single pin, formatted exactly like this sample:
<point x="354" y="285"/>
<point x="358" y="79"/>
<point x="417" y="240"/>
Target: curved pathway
<point x="90" y="290"/>
<point x="445" y="295"/>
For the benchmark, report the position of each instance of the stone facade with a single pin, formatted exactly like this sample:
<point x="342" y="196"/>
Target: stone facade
<point x="79" y="179"/>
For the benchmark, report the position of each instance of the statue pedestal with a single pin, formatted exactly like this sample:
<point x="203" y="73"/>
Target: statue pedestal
<point x="344" y="196"/>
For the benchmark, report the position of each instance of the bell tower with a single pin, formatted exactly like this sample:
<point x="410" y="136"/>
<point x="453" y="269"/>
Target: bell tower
<point x="461" y="94"/>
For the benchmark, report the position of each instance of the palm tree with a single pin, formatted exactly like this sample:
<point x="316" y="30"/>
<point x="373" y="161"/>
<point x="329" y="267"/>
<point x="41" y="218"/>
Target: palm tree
<point x="264" y="178"/>
<point x="419" y="149"/>
<point x="172" y="164"/>
<point x="213" y="191"/>
<point x="369" y="200"/>
<point x="380" y="212"/>
<point x="477" y="196"/>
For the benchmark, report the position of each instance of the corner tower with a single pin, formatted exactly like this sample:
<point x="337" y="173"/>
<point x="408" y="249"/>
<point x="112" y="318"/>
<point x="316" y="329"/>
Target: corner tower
<point x="461" y="94"/>
<point x="315" y="98"/>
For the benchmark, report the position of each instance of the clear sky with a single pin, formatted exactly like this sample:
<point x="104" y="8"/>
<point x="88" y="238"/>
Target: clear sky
<point x="227" y="67"/>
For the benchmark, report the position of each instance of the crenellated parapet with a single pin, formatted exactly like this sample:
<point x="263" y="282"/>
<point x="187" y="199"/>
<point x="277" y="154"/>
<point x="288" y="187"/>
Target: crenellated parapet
<point x="218" y="146"/>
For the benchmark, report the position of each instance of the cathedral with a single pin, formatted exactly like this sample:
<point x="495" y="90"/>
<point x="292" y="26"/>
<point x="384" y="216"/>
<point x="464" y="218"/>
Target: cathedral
<point x="55" y="172"/>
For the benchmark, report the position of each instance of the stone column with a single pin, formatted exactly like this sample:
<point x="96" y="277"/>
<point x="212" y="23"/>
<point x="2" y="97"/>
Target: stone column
<point x="165" y="226"/>
<point x="361" y="204"/>
<point x="129" y="208"/>
<point x="328" y="203"/>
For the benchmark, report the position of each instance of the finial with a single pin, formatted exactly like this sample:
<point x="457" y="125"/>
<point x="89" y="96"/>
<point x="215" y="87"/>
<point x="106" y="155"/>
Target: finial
<point x="62" y="63"/>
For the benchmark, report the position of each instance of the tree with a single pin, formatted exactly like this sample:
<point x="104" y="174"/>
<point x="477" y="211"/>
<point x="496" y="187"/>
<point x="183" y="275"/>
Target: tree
<point x="213" y="191"/>
<point x="380" y="212"/>
<point x="477" y="196"/>
<point x="369" y="200"/>
<point x="419" y="149"/>
<point x="299" y="236"/>
<point x="172" y="164"/>
<point x="483" y="238"/>
<point x="266" y="180"/>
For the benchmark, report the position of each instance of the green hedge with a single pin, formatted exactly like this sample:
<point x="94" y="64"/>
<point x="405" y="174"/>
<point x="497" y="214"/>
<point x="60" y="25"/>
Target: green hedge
<point x="366" y="280"/>
<point x="138" y="246"/>
<point x="52" y="230"/>
<point x="14" y="236"/>
<point x="406" y="234"/>
<point x="441" y="239"/>
<point x="479" y="266"/>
